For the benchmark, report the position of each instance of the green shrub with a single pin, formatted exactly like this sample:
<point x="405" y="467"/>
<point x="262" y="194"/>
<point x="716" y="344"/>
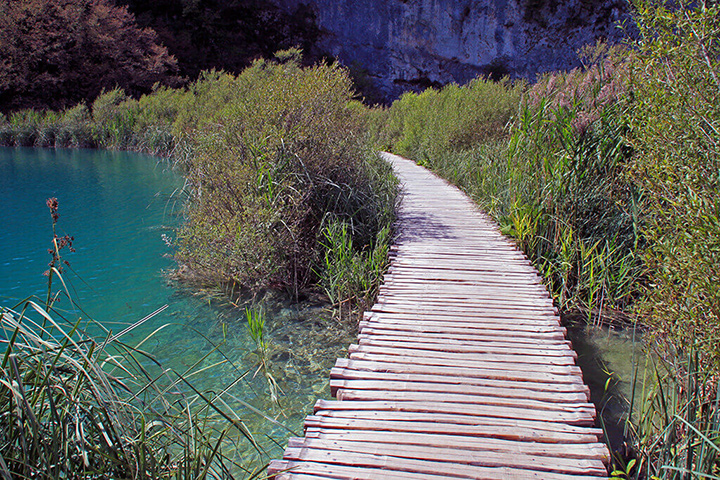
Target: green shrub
<point x="435" y="123"/>
<point x="271" y="155"/>
<point x="282" y="153"/>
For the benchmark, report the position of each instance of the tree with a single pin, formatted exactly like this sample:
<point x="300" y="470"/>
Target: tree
<point x="56" y="53"/>
<point x="226" y="34"/>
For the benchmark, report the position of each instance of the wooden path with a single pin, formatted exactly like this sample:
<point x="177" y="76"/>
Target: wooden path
<point x="461" y="370"/>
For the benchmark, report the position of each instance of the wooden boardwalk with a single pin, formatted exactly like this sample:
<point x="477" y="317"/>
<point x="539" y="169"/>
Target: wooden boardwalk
<point x="461" y="370"/>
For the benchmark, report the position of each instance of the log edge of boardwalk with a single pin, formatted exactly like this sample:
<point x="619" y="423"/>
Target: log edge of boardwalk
<point x="461" y="369"/>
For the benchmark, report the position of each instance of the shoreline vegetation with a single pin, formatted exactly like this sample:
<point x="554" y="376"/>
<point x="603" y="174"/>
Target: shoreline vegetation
<point x="606" y="177"/>
<point x="285" y="191"/>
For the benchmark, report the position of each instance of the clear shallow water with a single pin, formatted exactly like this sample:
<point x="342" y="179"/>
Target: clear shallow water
<point x="608" y="357"/>
<point x="118" y="206"/>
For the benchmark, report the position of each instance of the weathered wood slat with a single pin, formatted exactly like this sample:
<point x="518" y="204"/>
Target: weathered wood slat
<point x="490" y="371"/>
<point x="513" y="388"/>
<point x="570" y="414"/>
<point x="458" y="343"/>
<point x="474" y="356"/>
<point x="596" y="451"/>
<point x="490" y="427"/>
<point x="461" y="369"/>
<point x="549" y="339"/>
<point x="385" y="462"/>
<point x="482" y="458"/>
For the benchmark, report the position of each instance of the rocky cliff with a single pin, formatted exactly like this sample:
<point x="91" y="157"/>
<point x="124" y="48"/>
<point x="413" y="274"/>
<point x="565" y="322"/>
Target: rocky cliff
<point x="411" y="44"/>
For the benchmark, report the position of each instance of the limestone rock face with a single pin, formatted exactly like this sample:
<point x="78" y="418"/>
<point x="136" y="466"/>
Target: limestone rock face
<point x="411" y="44"/>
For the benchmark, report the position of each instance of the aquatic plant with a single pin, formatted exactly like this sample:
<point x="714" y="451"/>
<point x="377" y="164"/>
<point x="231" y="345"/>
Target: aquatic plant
<point x="349" y="277"/>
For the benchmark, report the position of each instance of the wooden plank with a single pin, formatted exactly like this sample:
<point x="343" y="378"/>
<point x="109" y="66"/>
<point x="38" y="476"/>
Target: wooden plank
<point x="597" y="451"/>
<point x="501" y="308"/>
<point x="477" y="317"/>
<point x="458" y="343"/>
<point x="571" y="414"/>
<point x="467" y="295"/>
<point x="468" y="302"/>
<point x="449" y="415"/>
<point x="477" y="372"/>
<point x="460" y="353"/>
<point x="457" y="456"/>
<point x="311" y="470"/>
<point x="476" y="399"/>
<point x="551" y="339"/>
<point x="519" y="370"/>
<point x="513" y="388"/>
<point x="424" y="342"/>
<point x="456" y="470"/>
<point x="475" y="323"/>
<point x="386" y="382"/>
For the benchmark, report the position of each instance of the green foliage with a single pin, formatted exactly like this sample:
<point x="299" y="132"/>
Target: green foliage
<point x="348" y="276"/>
<point x="271" y="155"/>
<point x="76" y="406"/>
<point x="676" y="428"/>
<point x="83" y="405"/>
<point x="437" y="122"/>
<point x="568" y="156"/>
<point x="675" y="127"/>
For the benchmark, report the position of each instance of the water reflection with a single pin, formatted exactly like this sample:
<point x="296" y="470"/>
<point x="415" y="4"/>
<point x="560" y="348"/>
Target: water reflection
<point x="608" y="357"/>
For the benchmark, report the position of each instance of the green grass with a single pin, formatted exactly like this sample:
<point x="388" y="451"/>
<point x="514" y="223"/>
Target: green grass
<point x="79" y="402"/>
<point x="87" y="406"/>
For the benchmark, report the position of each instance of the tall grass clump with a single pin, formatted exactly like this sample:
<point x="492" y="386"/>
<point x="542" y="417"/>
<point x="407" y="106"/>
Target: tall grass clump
<point x="674" y="128"/>
<point x="572" y="207"/>
<point x="78" y="402"/>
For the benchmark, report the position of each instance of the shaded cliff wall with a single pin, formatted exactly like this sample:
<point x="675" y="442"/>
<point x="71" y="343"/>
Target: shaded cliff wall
<point x="407" y="44"/>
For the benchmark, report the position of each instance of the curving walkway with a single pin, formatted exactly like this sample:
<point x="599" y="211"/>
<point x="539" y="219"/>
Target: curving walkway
<point x="461" y="370"/>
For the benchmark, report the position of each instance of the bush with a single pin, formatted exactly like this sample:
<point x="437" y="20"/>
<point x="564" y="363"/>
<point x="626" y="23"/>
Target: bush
<point x="283" y="155"/>
<point x="272" y="156"/>
<point x="435" y="123"/>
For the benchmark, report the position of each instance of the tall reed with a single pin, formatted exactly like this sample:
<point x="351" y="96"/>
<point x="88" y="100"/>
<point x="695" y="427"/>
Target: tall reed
<point x="548" y="163"/>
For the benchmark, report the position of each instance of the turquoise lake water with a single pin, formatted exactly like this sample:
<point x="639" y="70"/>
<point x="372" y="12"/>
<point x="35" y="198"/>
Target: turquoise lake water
<point x="121" y="208"/>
